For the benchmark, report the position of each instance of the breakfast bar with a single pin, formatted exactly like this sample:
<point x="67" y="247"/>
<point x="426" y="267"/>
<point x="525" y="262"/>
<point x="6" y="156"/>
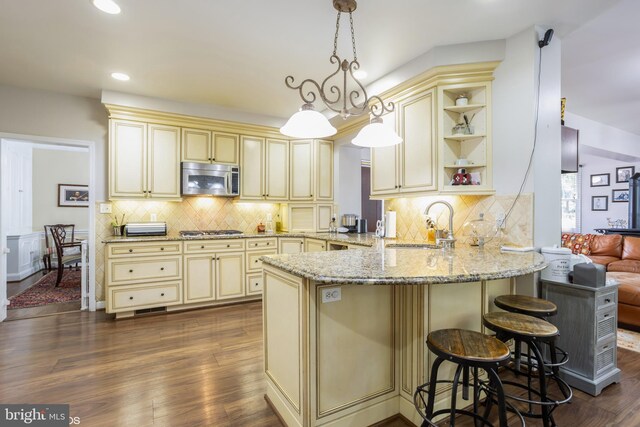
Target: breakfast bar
<point x="344" y="335"/>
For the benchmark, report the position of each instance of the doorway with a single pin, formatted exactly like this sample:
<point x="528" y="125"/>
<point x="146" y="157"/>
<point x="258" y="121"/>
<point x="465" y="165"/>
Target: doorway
<point x="45" y="181"/>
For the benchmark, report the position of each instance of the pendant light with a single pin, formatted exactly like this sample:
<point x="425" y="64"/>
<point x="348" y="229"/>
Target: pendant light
<point x="347" y="102"/>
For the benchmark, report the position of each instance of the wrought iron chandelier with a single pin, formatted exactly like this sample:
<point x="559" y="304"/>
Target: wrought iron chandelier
<point x="309" y="123"/>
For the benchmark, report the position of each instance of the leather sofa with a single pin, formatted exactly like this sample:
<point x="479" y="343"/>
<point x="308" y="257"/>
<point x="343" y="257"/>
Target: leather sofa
<point x="621" y="255"/>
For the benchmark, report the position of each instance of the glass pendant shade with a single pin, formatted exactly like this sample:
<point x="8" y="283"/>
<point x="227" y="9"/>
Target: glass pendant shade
<point x="308" y="123"/>
<point x="375" y="135"/>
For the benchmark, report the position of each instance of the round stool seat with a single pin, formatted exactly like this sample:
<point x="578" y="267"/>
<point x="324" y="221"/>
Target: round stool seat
<point x="461" y="345"/>
<point x="519" y="324"/>
<point x="523" y="304"/>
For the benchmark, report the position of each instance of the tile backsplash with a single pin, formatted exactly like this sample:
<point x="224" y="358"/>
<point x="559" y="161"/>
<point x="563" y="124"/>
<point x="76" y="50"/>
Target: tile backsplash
<point x="193" y="213"/>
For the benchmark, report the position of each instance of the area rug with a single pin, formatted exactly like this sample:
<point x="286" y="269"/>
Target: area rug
<point x="44" y="292"/>
<point x="629" y="340"/>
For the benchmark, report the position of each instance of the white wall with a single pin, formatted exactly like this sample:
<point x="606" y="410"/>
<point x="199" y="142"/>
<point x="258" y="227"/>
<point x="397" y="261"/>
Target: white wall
<point x="49" y="114"/>
<point x="592" y="165"/>
<point x="602" y="136"/>
<point x="53" y="167"/>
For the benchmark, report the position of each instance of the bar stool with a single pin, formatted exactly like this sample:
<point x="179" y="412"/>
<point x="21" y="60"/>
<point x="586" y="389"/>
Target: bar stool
<point x="532" y="331"/>
<point x="469" y="350"/>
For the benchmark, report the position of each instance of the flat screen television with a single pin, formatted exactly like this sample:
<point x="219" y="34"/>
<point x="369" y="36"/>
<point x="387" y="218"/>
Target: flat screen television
<point x="569" y="150"/>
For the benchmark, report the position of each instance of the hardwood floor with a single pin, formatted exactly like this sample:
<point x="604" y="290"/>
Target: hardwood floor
<point x="195" y="368"/>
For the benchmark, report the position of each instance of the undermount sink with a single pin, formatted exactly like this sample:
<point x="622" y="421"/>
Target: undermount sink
<point x="411" y="246"/>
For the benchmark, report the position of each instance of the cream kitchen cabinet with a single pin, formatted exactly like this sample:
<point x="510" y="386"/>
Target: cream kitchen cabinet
<point x="214" y="276"/>
<point x="311" y="170"/>
<point x="204" y="146"/>
<point x="410" y="167"/>
<point x="144" y="160"/>
<point x="264" y="168"/>
<point x="290" y="245"/>
<point x="315" y="245"/>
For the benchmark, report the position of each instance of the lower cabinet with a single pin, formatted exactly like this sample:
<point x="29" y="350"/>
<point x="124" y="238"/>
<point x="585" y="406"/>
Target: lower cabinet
<point x="315" y="245"/>
<point x="290" y="245"/>
<point x="136" y="297"/>
<point x="213" y="276"/>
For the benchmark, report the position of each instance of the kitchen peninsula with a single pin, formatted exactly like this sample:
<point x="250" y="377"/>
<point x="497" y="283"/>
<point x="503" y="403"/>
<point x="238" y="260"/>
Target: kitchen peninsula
<point x="344" y="335"/>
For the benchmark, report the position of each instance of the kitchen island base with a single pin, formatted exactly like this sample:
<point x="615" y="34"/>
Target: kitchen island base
<point x="356" y="358"/>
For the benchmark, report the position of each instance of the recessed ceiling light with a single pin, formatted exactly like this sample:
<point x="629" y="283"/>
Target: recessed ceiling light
<point x="360" y="74"/>
<point x="120" y="76"/>
<point x="107" y="6"/>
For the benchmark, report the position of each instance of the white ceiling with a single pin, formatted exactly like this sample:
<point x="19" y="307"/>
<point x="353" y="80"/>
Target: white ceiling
<point x="236" y="54"/>
<point x="601" y="68"/>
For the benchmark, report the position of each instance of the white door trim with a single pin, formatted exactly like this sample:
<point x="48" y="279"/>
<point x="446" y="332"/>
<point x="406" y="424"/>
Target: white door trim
<point x="88" y="292"/>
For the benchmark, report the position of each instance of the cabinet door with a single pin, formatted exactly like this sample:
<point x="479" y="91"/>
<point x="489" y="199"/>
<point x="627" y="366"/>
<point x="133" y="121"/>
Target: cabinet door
<point x="384" y="174"/>
<point x="196" y="145"/>
<point x="277" y="168"/>
<point x="163" y="162"/>
<point x="324" y="170"/>
<point x="199" y="272"/>
<point x="225" y="149"/>
<point x="127" y="159"/>
<point x="251" y="168"/>
<point x="418" y="150"/>
<point x="301" y="170"/>
<point x="290" y="245"/>
<point x="313" y="245"/>
<point x="230" y="275"/>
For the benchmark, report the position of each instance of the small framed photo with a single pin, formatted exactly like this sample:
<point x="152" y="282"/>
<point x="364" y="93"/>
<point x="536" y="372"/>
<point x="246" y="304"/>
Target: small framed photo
<point x="599" y="203"/>
<point x="600" y="180"/>
<point x="73" y="195"/>
<point x="621" y="195"/>
<point x="624" y="173"/>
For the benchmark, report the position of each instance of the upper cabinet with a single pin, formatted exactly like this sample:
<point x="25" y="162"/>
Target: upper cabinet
<point x="144" y="160"/>
<point x="311" y="170"/>
<point x="264" y="168"/>
<point x="409" y="167"/>
<point x="204" y="146"/>
<point x="465" y="137"/>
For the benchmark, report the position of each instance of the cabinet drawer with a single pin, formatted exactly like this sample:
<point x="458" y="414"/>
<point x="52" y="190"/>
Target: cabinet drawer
<point x="200" y="246"/>
<point x="126" y="298"/>
<point x="143" y="270"/>
<point x="261" y="243"/>
<point x="605" y="356"/>
<point x="606" y="300"/>
<point x="253" y="259"/>
<point x="119" y="250"/>
<point x="254" y="284"/>
<point x="606" y="324"/>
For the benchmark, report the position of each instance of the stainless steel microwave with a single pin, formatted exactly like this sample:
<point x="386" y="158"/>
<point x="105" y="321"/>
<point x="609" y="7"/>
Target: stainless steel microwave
<point x="203" y="179"/>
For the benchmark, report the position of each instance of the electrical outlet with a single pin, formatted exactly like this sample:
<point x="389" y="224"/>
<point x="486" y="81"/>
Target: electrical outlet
<point x="501" y="221"/>
<point x="105" y="208"/>
<point x="331" y="295"/>
<point x="154" y="217"/>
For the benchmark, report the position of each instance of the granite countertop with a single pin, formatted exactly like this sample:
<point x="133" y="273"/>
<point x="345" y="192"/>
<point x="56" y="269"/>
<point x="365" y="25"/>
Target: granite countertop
<point x="407" y="265"/>
<point x="365" y="239"/>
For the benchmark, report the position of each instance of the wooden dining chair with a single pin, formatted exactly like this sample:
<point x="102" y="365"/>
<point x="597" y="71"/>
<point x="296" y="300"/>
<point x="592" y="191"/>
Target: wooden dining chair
<point x="65" y="247"/>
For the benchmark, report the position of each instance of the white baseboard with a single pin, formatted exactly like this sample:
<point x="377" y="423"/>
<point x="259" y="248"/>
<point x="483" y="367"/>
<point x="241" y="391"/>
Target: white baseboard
<point x="100" y="305"/>
<point x="16" y="277"/>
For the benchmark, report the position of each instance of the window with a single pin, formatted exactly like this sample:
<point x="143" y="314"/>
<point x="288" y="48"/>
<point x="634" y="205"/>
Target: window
<point x="570" y="202"/>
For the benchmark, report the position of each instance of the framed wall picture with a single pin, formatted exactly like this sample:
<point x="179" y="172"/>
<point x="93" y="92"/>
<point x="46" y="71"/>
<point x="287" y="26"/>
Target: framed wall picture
<point x="624" y="173"/>
<point x="621" y="195"/>
<point x="73" y="195"/>
<point x="599" y="203"/>
<point x="600" y="180"/>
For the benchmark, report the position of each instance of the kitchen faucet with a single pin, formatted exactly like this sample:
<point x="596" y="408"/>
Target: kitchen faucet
<point x="449" y="241"/>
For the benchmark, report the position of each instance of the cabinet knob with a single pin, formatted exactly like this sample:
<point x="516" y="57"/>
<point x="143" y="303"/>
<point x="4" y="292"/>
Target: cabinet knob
<point x="130" y="250"/>
<point x="267" y="195"/>
<point x="399" y="186"/>
<point x="256" y="261"/>
<point x="162" y="294"/>
<point x="161" y="268"/>
<point x="130" y="297"/>
<point x="210" y="159"/>
<point x="255" y="244"/>
<point x="311" y="195"/>
<point x="130" y="271"/>
<point x="228" y="246"/>
<point x="607" y="301"/>
<point x="202" y="247"/>
<point x="213" y="159"/>
<point x="268" y="243"/>
<point x="256" y="284"/>
<point x="162" y="249"/>
<point x="606" y="315"/>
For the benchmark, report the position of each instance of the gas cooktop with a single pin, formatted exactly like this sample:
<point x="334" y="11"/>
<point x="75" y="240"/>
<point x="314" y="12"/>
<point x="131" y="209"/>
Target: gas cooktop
<point x="198" y="233"/>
